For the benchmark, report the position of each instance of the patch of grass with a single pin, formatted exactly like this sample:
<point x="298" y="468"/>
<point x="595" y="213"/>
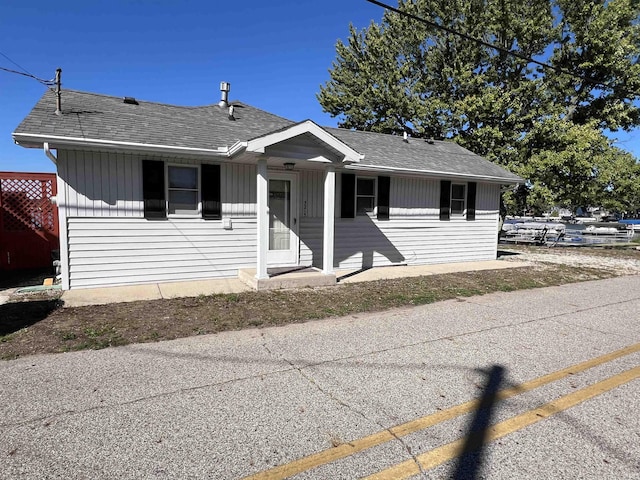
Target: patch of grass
<point x="6" y="338"/>
<point x="505" y="287"/>
<point x="68" y="336"/>
<point x="232" y="297"/>
<point x="424" y="298"/>
<point x="96" y="327"/>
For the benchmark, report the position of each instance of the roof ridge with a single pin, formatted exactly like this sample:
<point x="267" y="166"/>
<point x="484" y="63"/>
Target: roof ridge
<point x="366" y="131"/>
<point x="119" y="97"/>
<point x="369" y="132"/>
<point x="186" y="107"/>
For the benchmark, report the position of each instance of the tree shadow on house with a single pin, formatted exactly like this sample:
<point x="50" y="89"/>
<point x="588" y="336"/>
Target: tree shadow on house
<point x="358" y="244"/>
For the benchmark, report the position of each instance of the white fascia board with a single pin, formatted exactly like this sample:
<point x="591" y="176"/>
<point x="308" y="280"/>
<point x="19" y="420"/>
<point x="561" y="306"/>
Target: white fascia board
<point x="29" y="139"/>
<point x="433" y="173"/>
<point x="258" y="145"/>
<point x="236" y="148"/>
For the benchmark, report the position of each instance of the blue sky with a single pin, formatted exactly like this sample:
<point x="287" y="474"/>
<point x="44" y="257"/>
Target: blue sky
<point x="275" y="54"/>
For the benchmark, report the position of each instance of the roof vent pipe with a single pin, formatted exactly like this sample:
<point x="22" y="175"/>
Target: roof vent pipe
<point x="58" y="92"/>
<point x="224" y="90"/>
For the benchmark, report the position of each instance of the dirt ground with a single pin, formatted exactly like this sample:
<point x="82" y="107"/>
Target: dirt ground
<point x="37" y="323"/>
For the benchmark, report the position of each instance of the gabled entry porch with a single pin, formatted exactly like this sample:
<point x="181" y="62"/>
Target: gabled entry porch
<point x="279" y="156"/>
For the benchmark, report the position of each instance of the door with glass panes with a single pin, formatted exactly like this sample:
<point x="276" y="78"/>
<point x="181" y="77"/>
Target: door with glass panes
<point x="283" y="220"/>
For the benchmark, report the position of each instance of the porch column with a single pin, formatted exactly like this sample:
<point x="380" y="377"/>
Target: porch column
<point x="262" y="211"/>
<point x="329" y="220"/>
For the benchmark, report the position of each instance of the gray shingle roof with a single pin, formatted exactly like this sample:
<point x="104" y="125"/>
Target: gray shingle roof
<point x="391" y="151"/>
<point x="106" y="118"/>
<point x="101" y="117"/>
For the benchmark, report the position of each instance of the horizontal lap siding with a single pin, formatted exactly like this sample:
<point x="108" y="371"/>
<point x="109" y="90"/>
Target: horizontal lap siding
<point x="119" y="251"/>
<point x="414" y="235"/>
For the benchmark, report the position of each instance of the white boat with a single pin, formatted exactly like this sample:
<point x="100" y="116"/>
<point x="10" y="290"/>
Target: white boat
<point x="594" y="230"/>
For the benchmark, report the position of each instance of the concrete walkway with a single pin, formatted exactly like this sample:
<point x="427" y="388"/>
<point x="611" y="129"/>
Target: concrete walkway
<point x="156" y="291"/>
<point x="153" y="291"/>
<point x="5" y="295"/>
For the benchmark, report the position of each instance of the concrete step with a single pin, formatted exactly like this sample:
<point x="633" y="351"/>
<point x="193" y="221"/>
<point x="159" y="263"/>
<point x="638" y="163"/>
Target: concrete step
<point x="310" y="277"/>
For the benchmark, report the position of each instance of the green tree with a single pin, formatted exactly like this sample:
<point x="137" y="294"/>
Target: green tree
<point x="402" y="75"/>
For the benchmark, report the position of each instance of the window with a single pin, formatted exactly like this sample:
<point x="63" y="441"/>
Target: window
<point x="457" y="199"/>
<point x="365" y="195"/>
<point x="183" y="190"/>
<point x="358" y="196"/>
<point x="187" y="191"/>
<point x="458" y="196"/>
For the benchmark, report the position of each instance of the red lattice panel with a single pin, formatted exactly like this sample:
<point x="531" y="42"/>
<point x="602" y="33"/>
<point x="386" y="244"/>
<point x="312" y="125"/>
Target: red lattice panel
<point x="26" y="204"/>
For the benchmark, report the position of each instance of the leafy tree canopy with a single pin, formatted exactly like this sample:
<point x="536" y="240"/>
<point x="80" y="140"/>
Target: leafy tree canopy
<point x="546" y="125"/>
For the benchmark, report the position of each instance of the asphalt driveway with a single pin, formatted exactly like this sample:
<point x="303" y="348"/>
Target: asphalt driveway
<point x="447" y="390"/>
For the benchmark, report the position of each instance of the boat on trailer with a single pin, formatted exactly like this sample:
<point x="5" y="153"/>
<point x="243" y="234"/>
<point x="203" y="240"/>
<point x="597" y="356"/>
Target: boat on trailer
<point x="554" y="233"/>
<point x="537" y="233"/>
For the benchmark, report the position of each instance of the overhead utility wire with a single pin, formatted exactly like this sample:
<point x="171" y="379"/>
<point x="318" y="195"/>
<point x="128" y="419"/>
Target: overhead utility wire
<point x="25" y="72"/>
<point x="498" y="48"/>
<point x="47" y="83"/>
<point x="19" y="66"/>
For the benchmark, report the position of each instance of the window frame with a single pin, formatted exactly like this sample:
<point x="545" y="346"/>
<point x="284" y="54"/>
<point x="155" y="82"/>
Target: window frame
<point x="374" y="196"/>
<point x="198" y="211"/>
<point x="462" y="213"/>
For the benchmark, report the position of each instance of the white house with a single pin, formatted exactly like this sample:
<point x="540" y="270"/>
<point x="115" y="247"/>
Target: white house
<point x="149" y="192"/>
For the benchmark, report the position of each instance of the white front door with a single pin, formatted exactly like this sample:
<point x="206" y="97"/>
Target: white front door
<point x="283" y="219"/>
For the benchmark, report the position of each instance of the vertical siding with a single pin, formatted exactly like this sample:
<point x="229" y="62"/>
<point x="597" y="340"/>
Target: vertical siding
<point x="312" y="193"/>
<point x="414" y="196"/>
<point x="108" y="184"/>
<point x="414" y="234"/>
<point x="99" y="184"/>
<point x="238" y="190"/>
<point x="109" y="243"/>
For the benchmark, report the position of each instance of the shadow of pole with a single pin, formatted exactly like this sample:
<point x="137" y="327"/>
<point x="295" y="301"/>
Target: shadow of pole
<point x="471" y="458"/>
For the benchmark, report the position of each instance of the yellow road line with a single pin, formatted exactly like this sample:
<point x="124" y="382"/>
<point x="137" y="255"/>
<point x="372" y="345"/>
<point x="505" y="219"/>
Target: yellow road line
<point x="447" y="452"/>
<point x="346" y="449"/>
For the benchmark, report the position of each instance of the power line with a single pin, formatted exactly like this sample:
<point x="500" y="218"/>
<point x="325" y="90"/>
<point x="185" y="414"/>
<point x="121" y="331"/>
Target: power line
<point x="47" y="83"/>
<point x="501" y="49"/>
<point x="19" y="66"/>
<point x="25" y="72"/>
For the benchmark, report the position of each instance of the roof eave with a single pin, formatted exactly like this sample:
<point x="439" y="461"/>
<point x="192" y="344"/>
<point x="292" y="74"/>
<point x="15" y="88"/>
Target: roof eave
<point x="30" y="140"/>
<point x="439" y="174"/>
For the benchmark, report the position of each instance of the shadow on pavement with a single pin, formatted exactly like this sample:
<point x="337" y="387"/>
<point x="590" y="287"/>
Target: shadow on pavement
<point x="470" y="461"/>
<point x="505" y="253"/>
<point x="16" y="316"/>
<point x="23" y="278"/>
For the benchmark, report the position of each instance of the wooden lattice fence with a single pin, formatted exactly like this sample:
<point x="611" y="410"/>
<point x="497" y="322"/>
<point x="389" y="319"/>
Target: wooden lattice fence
<point x="29" y="236"/>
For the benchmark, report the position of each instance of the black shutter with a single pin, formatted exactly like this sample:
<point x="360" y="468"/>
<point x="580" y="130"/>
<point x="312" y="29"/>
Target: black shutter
<point x="471" y="201"/>
<point x="211" y="205"/>
<point x="445" y="199"/>
<point x="383" y="197"/>
<point x="153" y="189"/>
<point x="348" y="196"/>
